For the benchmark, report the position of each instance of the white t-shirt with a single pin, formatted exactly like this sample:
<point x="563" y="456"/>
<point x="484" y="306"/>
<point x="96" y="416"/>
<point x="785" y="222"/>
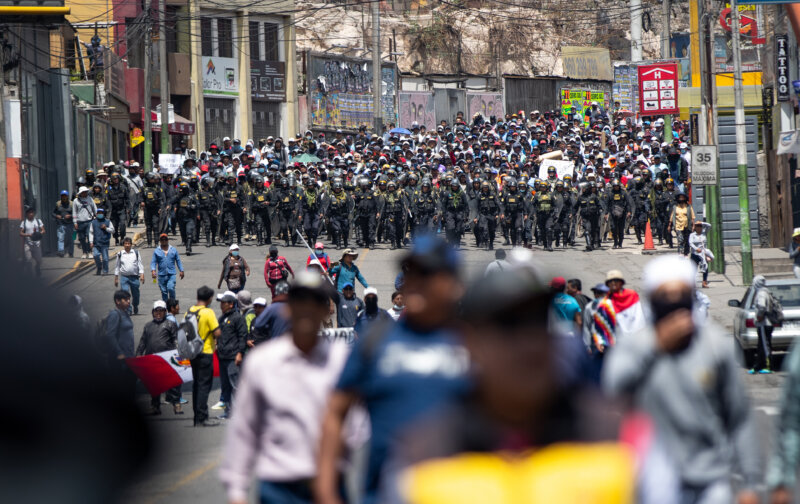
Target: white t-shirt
<point x="29" y="227"/>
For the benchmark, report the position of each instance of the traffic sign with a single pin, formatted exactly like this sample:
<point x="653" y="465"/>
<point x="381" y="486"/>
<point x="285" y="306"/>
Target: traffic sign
<point x="704" y="165"/>
<point x="658" y="89"/>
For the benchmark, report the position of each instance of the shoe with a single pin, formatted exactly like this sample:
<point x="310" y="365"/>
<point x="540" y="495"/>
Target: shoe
<point x="211" y="422"/>
<point x="705" y="285"/>
<point x="764" y="371"/>
<point x="751" y="371"/>
<point x="176" y="408"/>
<point x="220" y="405"/>
<point x="183" y="401"/>
<point x="224" y="416"/>
<point x="136" y="310"/>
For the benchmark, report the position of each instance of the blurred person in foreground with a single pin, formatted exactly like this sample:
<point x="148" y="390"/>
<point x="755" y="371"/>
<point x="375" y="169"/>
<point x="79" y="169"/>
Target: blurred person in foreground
<point x="275" y="428"/>
<point x="92" y="440"/>
<point x="524" y="434"/>
<point x="594" y="336"/>
<point x="684" y="375"/>
<point x="401" y="370"/>
<point x="781" y="475"/>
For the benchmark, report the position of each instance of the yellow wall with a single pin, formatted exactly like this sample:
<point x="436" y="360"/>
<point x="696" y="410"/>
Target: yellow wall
<point x="92" y="11"/>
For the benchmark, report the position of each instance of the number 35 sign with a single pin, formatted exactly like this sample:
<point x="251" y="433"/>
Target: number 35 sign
<point x="704" y="165"/>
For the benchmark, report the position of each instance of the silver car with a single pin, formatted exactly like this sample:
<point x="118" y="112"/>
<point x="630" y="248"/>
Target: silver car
<point x="787" y="290"/>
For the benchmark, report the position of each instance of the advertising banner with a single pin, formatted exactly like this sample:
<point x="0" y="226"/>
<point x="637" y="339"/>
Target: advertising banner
<point x="220" y="76"/>
<point x="268" y="80"/>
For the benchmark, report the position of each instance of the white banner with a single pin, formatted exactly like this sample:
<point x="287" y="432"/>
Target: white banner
<point x="170" y="163"/>
<point x="346" y="334"/>
<point x="789" y="142"/>
<point x="562" y="168"/>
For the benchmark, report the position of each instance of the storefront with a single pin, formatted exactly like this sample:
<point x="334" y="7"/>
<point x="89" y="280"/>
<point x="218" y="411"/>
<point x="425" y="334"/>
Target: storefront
<point x="268" y="93"/>
<point x="220" y="98"/>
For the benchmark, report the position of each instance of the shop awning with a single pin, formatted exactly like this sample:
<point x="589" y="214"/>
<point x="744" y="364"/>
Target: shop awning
<point x="178" y="125"/>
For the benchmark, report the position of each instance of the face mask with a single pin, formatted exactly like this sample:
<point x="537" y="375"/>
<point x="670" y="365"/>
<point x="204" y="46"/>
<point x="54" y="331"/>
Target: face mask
<point x="319" y="253"/>
<point x="662" y="308"/>
<point x="100" y="217"/>
<point x="235" y="253"/>
<point x="398" y="308"/>
<point x="273" y="255"/>
<point x="371" y="304"/>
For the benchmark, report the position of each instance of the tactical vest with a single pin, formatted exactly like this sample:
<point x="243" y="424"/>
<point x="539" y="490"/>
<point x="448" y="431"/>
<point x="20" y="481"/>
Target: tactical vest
<point x="545" y="203"/>
<point x="151" y="196"/>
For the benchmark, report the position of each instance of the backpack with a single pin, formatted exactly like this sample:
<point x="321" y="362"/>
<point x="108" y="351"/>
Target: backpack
<point x="775" y="311"/>
<point x="190" y="344"/>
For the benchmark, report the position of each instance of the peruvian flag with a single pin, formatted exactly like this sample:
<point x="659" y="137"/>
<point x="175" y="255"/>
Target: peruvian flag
<point x="162" y="371"/>
<point x="628" y="311"/>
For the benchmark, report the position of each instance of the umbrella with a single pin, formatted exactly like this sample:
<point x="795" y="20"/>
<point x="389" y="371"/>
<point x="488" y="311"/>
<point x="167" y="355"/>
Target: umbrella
<point x="306" y="158"/>
<point x="400" y="131"/>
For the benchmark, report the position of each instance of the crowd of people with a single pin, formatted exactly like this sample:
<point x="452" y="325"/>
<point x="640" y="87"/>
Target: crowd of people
<point x="481" y="177"/>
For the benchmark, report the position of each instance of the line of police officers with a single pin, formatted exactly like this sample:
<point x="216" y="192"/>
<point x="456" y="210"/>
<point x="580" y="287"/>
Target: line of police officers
<point x="388" y="207"/>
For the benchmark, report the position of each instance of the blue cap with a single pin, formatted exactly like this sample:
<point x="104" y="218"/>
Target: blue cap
<point x="432" y="254"/>
<point x="101" y="210"/>
<point x="64" y="193"/>
<point x="347" y="284"/>
<point x="600" y="288"/>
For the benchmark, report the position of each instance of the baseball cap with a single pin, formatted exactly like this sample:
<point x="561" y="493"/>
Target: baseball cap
<point x="101" y="210"/>
<point x="227" y="297"/>
<point x="260" y="301"/>
<point x="600" y="288"/>
<point x="226" y="139"/>
<point x="159" y="305"/>
<point x="64" y="193"/>
<point x="370" y="290"/>
<point x="558" y="282"/>
<point x="319" y="245"/>
<point x="234" y="247"/>
<point x="347" y="284"/>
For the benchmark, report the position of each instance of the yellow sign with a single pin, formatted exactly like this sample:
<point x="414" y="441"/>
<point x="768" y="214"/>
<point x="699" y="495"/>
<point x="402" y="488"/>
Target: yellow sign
<point x="136" y="137"/>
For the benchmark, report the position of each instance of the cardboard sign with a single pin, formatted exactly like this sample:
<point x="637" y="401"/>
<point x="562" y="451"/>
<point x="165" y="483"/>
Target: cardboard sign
<point x="562" y="168"/>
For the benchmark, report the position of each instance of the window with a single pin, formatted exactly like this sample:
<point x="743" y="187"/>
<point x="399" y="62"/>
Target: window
<point x="225" y="38"/>
<point x="271" y="43"/>
<point x="171" y="28"/>
<point x="206" y="36"/>
<point x="220" y="121"/>
<point x="135" y="44"/>
<point x="255" y="53"/>
<point x="266" y="119"/>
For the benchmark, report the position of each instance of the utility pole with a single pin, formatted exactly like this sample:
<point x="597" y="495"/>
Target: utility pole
<point x="5" y="248"/>
<point x="707" y="134"/>
<point x="665" y="36"/>
<point x="741" y="149"/>
<point x="636" y="30"/>
<point x="377" y="82"/>
<point x="163" y="78"/>
<point x="147" y="101"/>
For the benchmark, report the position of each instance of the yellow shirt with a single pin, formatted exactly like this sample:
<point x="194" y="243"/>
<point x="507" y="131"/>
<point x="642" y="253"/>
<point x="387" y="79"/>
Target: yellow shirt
<point x="206" y="325"/>
<point x="682" y="217"/>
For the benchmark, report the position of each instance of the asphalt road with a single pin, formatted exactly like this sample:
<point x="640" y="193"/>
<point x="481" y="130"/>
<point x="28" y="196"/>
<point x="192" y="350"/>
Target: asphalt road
<point x="184" y="469"/>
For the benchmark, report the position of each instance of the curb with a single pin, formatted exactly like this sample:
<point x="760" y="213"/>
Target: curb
<point x="83" y="266"/>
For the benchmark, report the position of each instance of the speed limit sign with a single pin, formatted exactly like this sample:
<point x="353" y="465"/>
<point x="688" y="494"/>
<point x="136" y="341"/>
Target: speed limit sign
<point x="704" y="165"/>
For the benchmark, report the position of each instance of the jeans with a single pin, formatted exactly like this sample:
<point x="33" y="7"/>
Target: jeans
<point x="33" y="257"/>
<point x="65" y="242"/>
<point x="203" y="378"/>
<point x="796" y="270"/>
<point x="764" y="348"/>
<point x="131" y="284"/>
<point x="228" y="377"/>
<point x="100" y="254"/>
<point x="83" y="236"/>
<point x="167" y="285"/>
<point x="285" y="492"/>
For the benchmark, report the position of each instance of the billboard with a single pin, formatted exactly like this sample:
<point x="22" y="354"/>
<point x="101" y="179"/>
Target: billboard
<point x="220" y="76"/>
<point x="587" y="63"/>
<point x="268" y="80"/>
<point x="340" y="92"/>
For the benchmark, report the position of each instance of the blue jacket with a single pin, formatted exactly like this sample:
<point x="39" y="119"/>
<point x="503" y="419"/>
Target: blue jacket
<point x="101" y="237"/>
<point x="165" y="263"/>
<point x="345" y="274"/>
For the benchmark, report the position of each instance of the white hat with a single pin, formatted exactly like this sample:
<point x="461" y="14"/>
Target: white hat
<point x="228" y="296"/>
<point x="226" y="139"/>
<point x="668" y="268"/>
<point x="82" y="189"/>
<point x="159" y="304"/>
<point x="233" y="247"/>
<point x="370" y="290"/>
<point x="683" y="145"/>
<point x="260" y="301"/>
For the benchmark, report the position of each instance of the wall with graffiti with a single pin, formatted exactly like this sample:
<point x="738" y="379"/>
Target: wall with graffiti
<point x="340" y="92"/>
<point x="416" y="106"/>
<point x="487" y="104"/>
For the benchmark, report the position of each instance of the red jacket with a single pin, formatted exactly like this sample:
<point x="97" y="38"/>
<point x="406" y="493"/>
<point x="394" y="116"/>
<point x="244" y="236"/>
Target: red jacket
<point x="273" y="269"/>
<point x="324" y="259"/>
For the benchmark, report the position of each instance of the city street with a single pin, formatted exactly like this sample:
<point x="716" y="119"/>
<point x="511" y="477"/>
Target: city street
<point x="184" y="468"/>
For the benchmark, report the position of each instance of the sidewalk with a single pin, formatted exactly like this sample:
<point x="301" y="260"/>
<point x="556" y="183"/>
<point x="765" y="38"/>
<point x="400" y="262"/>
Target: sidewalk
<point x="57" y="271"/>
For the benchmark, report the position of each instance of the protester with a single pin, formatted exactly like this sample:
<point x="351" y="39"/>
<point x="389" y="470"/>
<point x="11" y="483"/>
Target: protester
<point x="686" y="378"/>
<point x="621" y="309"/>
<point x="682" y="221"/>
<point x="781" y="472"/>
<point x="118" y="342"/>
<point x="203" y="365"/>
<point x="160" y="335"/>
<point x="163" y="266"/>
<point x="698" y="252"/>
<point x="83" y="213"/>
<point x="320" y="256"/>
<point x="129" y="271"/>
<point x="62" y="213"/>
<point x="596" y="335"/>
<point x="259" y="305"/>
<point x="100" y="232"/>
<point x="574" y="286"/>
<point x="381" y="369"/>
<point x="794" y="252"/>
<point x="31" y="230"/>
<point x="349" y="307"/>
<point x="565" y="308"/>
<point x="276" y="269"/>
<point x="499" y="263"/>
<point x="397" y="305"/>
<point x="273" y="321"/>
<point x="347" y="271"/>
<point x="274" y="432"/>
<point x="764" y="305"/>
<point x="231" y="345"/>
<point x="173" y="310"/>
<point x="235" y="270"/>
